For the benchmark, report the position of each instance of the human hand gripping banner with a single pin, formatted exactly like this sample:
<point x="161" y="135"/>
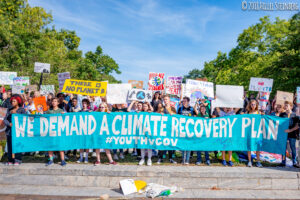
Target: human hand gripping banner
<point x="97" y="130"/>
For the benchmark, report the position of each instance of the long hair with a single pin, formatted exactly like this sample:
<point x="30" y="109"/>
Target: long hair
<point x="249" y="108"/>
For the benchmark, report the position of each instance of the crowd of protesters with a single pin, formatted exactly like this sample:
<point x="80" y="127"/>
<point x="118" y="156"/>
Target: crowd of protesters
<point x="63" y="103"/>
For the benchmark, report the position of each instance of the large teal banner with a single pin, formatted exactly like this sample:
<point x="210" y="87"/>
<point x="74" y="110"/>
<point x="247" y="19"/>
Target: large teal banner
<point x="97" y="130"/>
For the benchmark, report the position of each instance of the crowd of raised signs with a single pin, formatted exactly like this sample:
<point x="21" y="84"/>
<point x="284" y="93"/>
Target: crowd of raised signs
<point x="160" y="102"/>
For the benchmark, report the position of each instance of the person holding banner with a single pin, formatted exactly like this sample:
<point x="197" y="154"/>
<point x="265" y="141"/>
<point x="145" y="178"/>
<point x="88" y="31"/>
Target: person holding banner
<point x="156" y="100"/>
<point x="203" y="114"/>
<point x="252" y="108"/>
<point x="85" y="108"/>
<point x="186" y="110"/>
<point x="74" y="105"/>
<point x="104" y="108"/>
<point x="168" y="109"/>
<point x="55" y="110"/>
<point x="146" y="108"/>
<point x="16" y="107"/>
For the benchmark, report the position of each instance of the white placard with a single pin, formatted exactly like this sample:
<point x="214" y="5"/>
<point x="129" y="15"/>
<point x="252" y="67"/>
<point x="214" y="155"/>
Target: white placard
<point x="117" y="93"/>
<point x="41" y="67"/>
<point x="261" y="84"/>
<point x="22" y="81"/>
<point x="62" y="77"/>
<point x="198" y="90"/>
<point x="18" y="89"/>
<point x="46" y="89"/>
<point x="7" y="78"/>
<point x="128" y="186"/>
<point x="229" y="96"/>
<point x="140" y="95"/>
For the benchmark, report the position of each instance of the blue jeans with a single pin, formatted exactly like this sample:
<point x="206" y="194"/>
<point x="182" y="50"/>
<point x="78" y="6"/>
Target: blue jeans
<point x="292" y="143"/>
<point x="115" y="151"/>
<point x="186" y="156"/>
<point x="199" y="156"/>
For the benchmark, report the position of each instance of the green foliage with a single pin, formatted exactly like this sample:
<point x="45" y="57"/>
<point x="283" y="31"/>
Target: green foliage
<point x="266" y="49"/>
<point x="25" y="38"/>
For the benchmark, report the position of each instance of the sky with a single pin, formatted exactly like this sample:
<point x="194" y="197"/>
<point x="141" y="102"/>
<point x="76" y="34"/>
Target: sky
<point x="142" y="36"/>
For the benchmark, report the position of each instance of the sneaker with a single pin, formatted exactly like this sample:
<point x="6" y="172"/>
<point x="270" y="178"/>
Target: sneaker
<point x="173" y="161"/>
<point x="50" y="162"/>
<point x="17" y="163"/>
<point x="149" y="162"/>
<point x="97" y="163"/>
<point x="80" y="160"/>
<point x="94" y="155"/>
<point x="134" y="154"/>
<point x="258" y="164"/>
<point x="249" y="164"/>
<point x="230" y="164"/>
<point x="66" y="157"/>
<point x="121" y="156"/>
<point x="198" y="163"/>
<point x="282" y="165"/>
<point x="113" y="163"/>
<point x="208" y="162"/>
<point x="116" y="157"/>
<point x="86" y="161"/>
<point x="9" y="164"/>
<point x="296" y="166"/>
<point x="142" y="161"/>
<point x="63" y="163"/>
<point x="224" y="162"/>
<point x="159" y="161"/>
<point x="186" y="163"/>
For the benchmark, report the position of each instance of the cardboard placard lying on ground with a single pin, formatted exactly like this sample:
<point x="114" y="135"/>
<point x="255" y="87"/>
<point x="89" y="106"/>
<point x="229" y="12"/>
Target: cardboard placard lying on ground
<point x="7" y="78"/>
<point x="136" y="84"/>
<point x="41" y="67"/>
<point x="261" y="84"/>
<point x="281" y="97"/>
<point x="117" y="93"/>
<point x="85" y="88"/>
<point x="22" y="81"/>
<point x="40" y="103"/>
<point x="128" y="186"/>
<point x="229" y="96"/>
<point x="47" y="89"/>
<point x="140" y="95"/>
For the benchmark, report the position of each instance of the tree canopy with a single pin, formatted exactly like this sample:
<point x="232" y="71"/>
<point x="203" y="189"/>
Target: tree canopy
<point x="266" y="50"/>
<point x="26" y="36"/>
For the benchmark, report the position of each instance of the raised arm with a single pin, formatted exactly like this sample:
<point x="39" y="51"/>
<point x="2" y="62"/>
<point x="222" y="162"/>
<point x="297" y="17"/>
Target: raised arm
<point x="130" y="106"/>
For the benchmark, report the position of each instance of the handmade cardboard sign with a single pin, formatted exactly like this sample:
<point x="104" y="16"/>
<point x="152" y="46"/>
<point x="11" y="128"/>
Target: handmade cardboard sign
<point x="85" y="88"/>
<point x="41" y="67"/>
<point x="30" y="88"/>
<point x="21" y="81"/>
<point x="261" y="84"/>
<point x="263" y="100"/>
<point x="140" y="95"/>
<point x="174" y="85"/>
<point x="281" y="97"/>
<point x="234" y="100"/>
<point x="40" y="103"/>
<point x="156" y="81"/>
<point x="61" y="79"/>
<point x="47" y="89"/>
<point x="198" y="90"/>
<point x="7" y="78"/>
<point x="18" y="89"/>
<point x="117" y="93"/>
<point x="136" y="84"/>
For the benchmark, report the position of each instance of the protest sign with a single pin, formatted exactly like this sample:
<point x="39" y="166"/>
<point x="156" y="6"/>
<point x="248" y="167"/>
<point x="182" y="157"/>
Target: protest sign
<point x="281" y="97"/>
<point x="117" y="93"/>
<point x="21" y="81"/>
<point x="263" y="100"/>
<point x="30" y="88"/>
<point x="86" y="88"/>
<point x="174" y="102"/>
<point x="261" y="84"/>
<point x="136" y="84"/>
<point x="174" y="85"/>
<point x="96" y="130"/>
<point x="47" y="89"/>
<point x="61" y="79"/>
<point x="140" y="95"/>
<point x="41" y="67"/>
<point x="201" y="79"/>
<point x="229" y="96"/>
<point x="198" y="90"/>
<point x="40" y="103"/>
<point x="156" y="81"/>
<point x="7" y="78"/>
<point x="3" y="112"/>
<point x="298" y="95"/>
<point x="17" y="89"/>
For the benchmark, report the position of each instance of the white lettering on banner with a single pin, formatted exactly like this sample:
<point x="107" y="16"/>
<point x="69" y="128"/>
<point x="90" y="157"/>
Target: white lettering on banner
<point x="215" y="127"/>
<point x="147" y="127"/>
<point x="163" y="126"/>
<point x="273" y="130"/>
<point x="124" y="129"/>
<point x="63" y="125"/>
<point x="52" y="126"/>
<point x="104" y="126"/>
<point x="245" y="125"/>
<point x="117" y="117"/>
<point x="138" y="123"/>
<point x="181" y="127"/>
<point x="253" y="132"/>
<point x="188" y="122"/>
<point x="30" y="127"/>
<point x="262" y="129"/>
<point x="223" y="125"/>
<point x="200" y="122"/>
<point x="175" y="124"/>
<point x="207" y="127"/>
<point x="43" y="126"/>
<point x="83" y="125"/>
<point x="142" y="140"/>
<point x="129" y="124"/>
<point x="20" y="129"/>
<point x="155" y="119"/>
<point x="74" y="127"/>
<point x="231" y="125"/>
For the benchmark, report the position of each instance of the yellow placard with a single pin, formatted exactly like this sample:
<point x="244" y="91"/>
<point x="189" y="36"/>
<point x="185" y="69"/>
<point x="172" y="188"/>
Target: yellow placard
<point x="87" y="88"/>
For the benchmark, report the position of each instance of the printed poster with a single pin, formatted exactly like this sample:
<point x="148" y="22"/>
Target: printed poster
<point x="7" y="78"/>
<point x="156" y="81"/>
<point x="41" y="67"/>
<point x="85" y="88"/>
<point x="261" y="84"/>
<point x="140" y="95"/>
<point x="174" y="85"/>
<point x="21" y="81"/>
<point x="47" y="89"/>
